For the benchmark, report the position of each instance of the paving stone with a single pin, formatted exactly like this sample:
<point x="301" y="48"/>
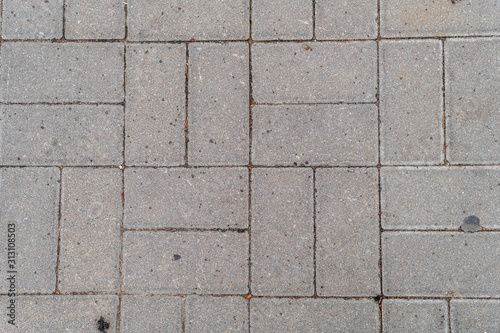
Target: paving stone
<point x="95" y="19"/>
<point x="80" y="313"/>
<point x="439" y="264"/>
<point x="346" y="19"/>
<point x="400" y="315"/>
<point x="188" y="19"/>
<point x="216" y="314"/>
<point x="151" y="314"/>
<point x="315" y="135"/>
<point x="38" y="19"/>
<point x="314" y="72"/>
<point x="90" y="229"/>
<point x="313" y="315"/>
<point x="347" y="232"/>
<point x="185" y="262"/>
<point x="411" y="102"/>
<point x="475" y="316"/>
<point x="282" y="232"/>
<point x="472" y="99"/>
<point x="61" y="72"/>
<point x="439" y="197"/>
<point x="155" y="108"/>
<point x="61" y="135"/>
<point x="218" y="104"/>
<point x="186" y="198"/>
<point x="29" y="198"/>
<point x="282" y="19"/>
<point x="429" y="18"/>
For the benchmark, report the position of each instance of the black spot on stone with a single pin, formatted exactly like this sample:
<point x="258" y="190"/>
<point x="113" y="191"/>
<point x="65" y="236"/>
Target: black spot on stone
<point x="471" y="224"/>
<point x="177" y="257"/>
<point x="102" y="325"/>
<point x="455" y="1"/>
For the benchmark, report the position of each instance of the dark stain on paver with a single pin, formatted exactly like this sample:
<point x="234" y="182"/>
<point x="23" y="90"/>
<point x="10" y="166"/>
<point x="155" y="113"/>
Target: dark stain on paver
<point x="102" y="325"/>
<point x="455" y="1"/>
<point x="177" y="257"/>
<point x="471" y="224"/>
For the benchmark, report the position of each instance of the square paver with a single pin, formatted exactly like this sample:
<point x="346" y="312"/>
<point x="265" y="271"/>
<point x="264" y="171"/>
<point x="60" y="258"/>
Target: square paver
<point x="411" y="102"/>
<point x="282" y="232"/>
<point x="91" y="214"/>
<point x="216" y="314"/>
<point x="188" y="19"/>
<point x="185" y="262"/>
<point x="440" y="264"/>
<point x="347" y="232"/>
<point x="415" y="316"/>
<point x="150" y="314"/>
<point x="472" y="99"/>
<point x="315" y="135"/>
<point x="314" y="72"/>
<point x="218" y="104"/>
<point x="61" y="135"/>
<point x="346" y="19"/>
<point x="95" y="19"/>
<point x="475" y="316"/>
<point x="186" y="198"/>
<point x="282" y="19"/>
<point x="22" y="19"/>
<point x="28" y="195"/>
<point x="155" y="104"/>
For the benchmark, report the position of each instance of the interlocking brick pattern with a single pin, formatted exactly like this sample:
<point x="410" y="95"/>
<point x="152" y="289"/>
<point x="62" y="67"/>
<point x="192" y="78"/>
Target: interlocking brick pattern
<point x="251" y="165"/>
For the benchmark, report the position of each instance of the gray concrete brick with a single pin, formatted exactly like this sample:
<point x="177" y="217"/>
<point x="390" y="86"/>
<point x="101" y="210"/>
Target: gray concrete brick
<point x="475" y="316"/>
<point x="186" y="198"/>
<point x="56" y="73"/>
<point x="426" y="18"/>
<point x="29" y="198"/>
<point x="155" y="109"/>
<point x="90" y="229"/>
<point x="188" y="19"/>
<point x="315" y="135"/>
<point x="218" y="104"/>
<point x="282" y="232"/>
<point x="290" y="19"/>
<point x="422" y="315"/>
<point x="151" y="314"/>
<point x="346" y="19"/>
<point x="439" y="197"/>
<point x="347" y="232"/>
<point x="314" y="72"/>
<point x="411" y="102"/>
<point x="80" y="313"/>
<point x="61" y="135"/>
<point x="185" y="262"/>
<point x="437" y="264"/>
<point x="472" y="99"/>
<point x="313" y="315"/>
<point x="216" y="314"/>
<point x="38" y="19"/>
<point x="95" y="19"/>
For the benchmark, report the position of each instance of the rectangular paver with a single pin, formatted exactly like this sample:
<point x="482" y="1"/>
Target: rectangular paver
<point x="313" y="315"/>
<point x="151" y="314"/>
<point x="61" y="72"/>
<point x="439" y="197"/>
<point x="475" y="316"/>
<point x="188" y="19"/>
<point x="415" y="316"/>
<point x="282" y="232"/>
<point x="314" y="72"/>
<point x="156" y="101"/>
<point x="29" y="199"/>
<point x="91" y="214"/>
<point x="61" y="135"/>
<point x="438" y="263"/>
<point x="411" y="102"/>
<point x="186" y="262"/>
<point x="186" y="198"/>
<point x="426" y="18"/>
<point x="472" y="99"/>
<point x="218" y="104"/>
<point x="315" y="135"/>
<point x="347" y="232"/>
<point x="216" y="314"/>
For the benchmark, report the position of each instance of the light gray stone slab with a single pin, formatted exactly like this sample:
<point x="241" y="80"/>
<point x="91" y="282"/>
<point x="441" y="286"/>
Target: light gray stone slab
<point x="416" y="315"/>
<point x="216" y="314"/>
<point x="150" y="314"/>
<point x="475" y="316"/>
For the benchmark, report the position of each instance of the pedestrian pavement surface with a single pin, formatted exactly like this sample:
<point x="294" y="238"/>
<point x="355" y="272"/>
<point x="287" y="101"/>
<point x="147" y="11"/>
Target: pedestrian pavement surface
<point x="250" y="166"/>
